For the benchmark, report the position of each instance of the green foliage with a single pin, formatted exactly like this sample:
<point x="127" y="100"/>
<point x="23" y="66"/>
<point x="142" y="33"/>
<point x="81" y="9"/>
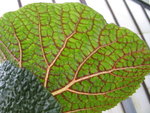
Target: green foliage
<point x="21" y="92"/>
<point x="87" y="64"/>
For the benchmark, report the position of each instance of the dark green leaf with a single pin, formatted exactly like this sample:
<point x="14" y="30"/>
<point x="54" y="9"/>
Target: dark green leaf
<point x="21" y="92"/>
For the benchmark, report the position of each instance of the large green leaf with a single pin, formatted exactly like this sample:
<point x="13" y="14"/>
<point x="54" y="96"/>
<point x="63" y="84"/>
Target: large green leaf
<point x="21" y="92"/>
<point x="87" y="64"/>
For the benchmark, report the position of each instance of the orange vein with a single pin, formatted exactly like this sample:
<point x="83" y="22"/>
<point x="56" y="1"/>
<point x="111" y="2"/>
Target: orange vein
<point x="105" y="72"/>
<point x="79" y="67"/>
<point x="85" y="93"/>
<point x="41" y="43"/>
<point x="127" y="55"/>
<point x="123" y="76"/>
<point x="52" y="63"/>
<point x="19" y="44"/>
<point x="9" y="51"/>
<point x="20" y="50"/>
<point x="101" y="93"/>
<point x="90" y="76"/>
<point x="42" y="48"/>
<point x="60" y="51"/>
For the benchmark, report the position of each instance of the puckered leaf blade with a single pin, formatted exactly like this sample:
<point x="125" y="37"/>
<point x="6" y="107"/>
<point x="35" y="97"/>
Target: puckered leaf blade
<point x="48" y="36"/>
<point x="21" y="92"/>
<point x="76" y="54"/>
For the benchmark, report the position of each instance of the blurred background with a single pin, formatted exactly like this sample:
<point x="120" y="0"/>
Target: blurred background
<point x="132" y="14"/>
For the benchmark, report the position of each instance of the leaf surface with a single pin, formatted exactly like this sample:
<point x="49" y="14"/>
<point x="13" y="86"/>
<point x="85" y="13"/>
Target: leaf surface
<point x="87" y="64"/>
<point x="21" y="92"/>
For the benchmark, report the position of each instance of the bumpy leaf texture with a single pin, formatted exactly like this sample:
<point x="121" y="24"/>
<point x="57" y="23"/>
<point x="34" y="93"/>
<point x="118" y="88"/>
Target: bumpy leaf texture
<point x="21" y="92"/>
<point x="87" y="64"/>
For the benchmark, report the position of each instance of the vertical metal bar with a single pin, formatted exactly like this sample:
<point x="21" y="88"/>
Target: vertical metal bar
<point x="142" y="3"/>
<point x="123" y="108"/>
<point x="128" y="103"/>
<point x="53" y="1"/>
<point x="19" y="3"/>
<point x="116" y="21"/>
<point x="112" y="12"/>
<point x="145" y="13"/>
<point x="141" y="34"/>
<point x="128" y="106"/>
<point x="83" y="2"/>
<point x="137" y="26"/>
<point x="146" y="91"/>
